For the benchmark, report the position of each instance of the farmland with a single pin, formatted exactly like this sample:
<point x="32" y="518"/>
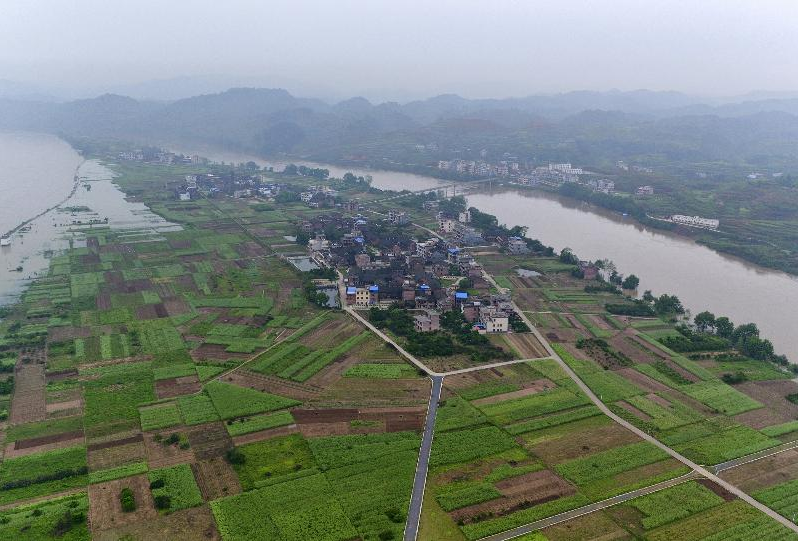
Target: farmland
<point x="190" y="366"/>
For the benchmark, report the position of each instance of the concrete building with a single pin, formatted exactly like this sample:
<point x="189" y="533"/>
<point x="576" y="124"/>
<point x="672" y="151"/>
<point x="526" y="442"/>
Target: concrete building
<point x="398" y="218"/>
<point x="645" y="190"/>
<point x="516" y="245"/>
<point x="427" y="322"/>
<point x="696" y="221"/>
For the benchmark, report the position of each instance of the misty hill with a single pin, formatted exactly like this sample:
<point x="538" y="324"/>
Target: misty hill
<point x="585" y="127"/>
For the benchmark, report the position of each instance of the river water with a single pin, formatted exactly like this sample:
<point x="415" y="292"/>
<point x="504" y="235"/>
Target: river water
<point x="666" y="263"/>
<point x="36" y="173"/>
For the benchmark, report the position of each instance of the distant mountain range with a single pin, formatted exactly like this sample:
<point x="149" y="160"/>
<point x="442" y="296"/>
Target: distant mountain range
<point x="581" y="126"/>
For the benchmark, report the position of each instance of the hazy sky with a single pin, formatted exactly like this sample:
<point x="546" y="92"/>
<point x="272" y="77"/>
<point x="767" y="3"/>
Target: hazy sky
<point x="403" y="49"/>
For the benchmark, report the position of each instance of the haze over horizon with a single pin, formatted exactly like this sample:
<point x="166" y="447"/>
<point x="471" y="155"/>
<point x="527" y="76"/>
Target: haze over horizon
<point x="397" y="52"/>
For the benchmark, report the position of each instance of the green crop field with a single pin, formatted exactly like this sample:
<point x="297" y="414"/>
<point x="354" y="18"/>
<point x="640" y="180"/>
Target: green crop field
<point x="602" y="464"/>
<point x="381" y="370"/>
<point x="251" y="424"/>
<point x="545" y="402"/>
<point x="300" y="509"/>
<point x="469" y="444"/>
<point x="57" y="519"/>
<point x="178" y="485"/>
<point x="233" y="401"/>
<point x="196" y="409"/>
<point x="42" y="473"/>
<point x="720" y="397"/>
<point x="273" y="458"/>
<point x="159" y="417"/>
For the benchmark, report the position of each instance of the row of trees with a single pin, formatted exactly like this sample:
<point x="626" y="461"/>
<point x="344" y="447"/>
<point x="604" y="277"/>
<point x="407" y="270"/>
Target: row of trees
<point x="744" y="337"/>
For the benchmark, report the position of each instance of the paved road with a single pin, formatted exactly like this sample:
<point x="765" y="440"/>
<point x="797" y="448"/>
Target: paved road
<point x="781" y="448"/>
<point x="417" y="496"/>
<point x="420" y="481"/>
<point x="645" y="436"/>
<point x="590" y="508"/>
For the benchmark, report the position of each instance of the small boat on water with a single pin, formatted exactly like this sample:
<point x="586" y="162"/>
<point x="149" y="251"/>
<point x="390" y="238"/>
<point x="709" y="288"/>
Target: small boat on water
<point x="5" y="241"/>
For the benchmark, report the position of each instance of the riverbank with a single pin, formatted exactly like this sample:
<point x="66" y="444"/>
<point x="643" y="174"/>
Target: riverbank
<point x="666" y="260"/>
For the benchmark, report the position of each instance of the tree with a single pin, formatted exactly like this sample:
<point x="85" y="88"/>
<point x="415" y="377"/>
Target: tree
<point x="743" y="332"/>
<point x="567" y="256"/>
<point x="648" y="297"/>
<point x="630" y="283"/>
<point x="724" y="327"/>
<point x="668" y="304"/>
<point x="704" y="321"/>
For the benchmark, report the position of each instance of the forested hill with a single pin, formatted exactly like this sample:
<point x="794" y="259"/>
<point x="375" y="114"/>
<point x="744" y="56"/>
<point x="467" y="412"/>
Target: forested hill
<point x="656" y="128"/>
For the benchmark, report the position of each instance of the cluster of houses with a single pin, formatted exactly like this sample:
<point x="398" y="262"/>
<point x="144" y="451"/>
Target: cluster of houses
<point x="458" y="229"/>
<point x="237" y="187"/>
<point x="385" y="267"/>
<point x="157" y="156"/>
<point x="319" y="196"/>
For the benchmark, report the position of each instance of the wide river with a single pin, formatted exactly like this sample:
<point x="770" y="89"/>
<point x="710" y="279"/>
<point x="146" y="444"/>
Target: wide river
<point x="37" y="172"/>
<point x="666" y="263"/>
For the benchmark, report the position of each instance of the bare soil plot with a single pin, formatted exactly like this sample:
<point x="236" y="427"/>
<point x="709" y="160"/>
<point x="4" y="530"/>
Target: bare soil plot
<point x="216" y="478"/>
<point x="172" y="387"/>
<point x="106" y="458"/>
<point x="624" y="344"/>
<point x="599" y="321"/>
<point x="216" y="352"/>
<point x="65" y="333"/>
<point x="105" y="509"/>
<point x="526" y="344"/>
<point x="645" y="345"/>
<point x="717" y="490"/>
<point x="175" y="306"/>
<point x="28" y="404"/>
<point x="528" y="299"/>
<point x="160" y="454"/>
<point x="63" y="407"/>
<point x="191" y="524"/>
<point x="772" y="394"/>
<point x="332" y="331"/>
<point x="595" y="526"/>
<point x="209" y="440"/>
<point x="273" y="384"/>
<point x="767" y="472"/>
<point x="531" y="388"/>
<point x="43" y="444"/>
<point x="634" y="410"/>
<point x="585" y="442"/>
<point x="103" y="301"/>
<point x="563" y="335"/>
<point x="357" y="392"/>
<point x="642" y="381"/>
<point x="150" y="312"/>
<point x="519" y="492"/>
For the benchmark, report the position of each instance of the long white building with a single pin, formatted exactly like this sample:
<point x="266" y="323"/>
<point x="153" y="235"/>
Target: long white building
<point x="696" y="221"/>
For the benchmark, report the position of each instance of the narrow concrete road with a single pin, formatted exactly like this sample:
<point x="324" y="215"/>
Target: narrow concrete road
<point x="420" y="481"/>
<point x="588" y="509"/>
<point x="781" y="448"/>
<point x="648" y="438"/>
<point x="411" y="529"/>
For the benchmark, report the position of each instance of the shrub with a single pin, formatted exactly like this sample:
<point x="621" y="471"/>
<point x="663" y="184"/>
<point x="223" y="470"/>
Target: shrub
<point x="235" y="457"/>
<point x="127" y="499"/>
<point x="162" y="502"/>
<point x="155" y="484"/>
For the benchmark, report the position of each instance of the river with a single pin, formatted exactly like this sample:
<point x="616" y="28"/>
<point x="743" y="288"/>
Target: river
<point x="37" y="172"/>
<point x="702" y="278"/>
